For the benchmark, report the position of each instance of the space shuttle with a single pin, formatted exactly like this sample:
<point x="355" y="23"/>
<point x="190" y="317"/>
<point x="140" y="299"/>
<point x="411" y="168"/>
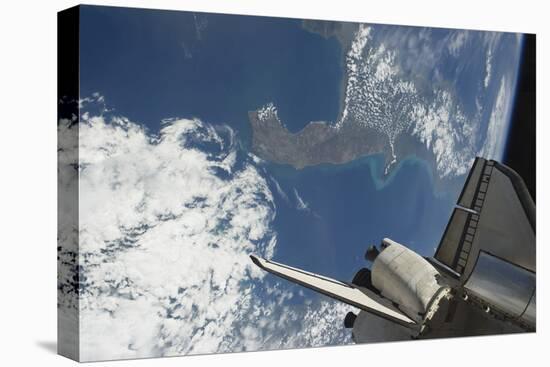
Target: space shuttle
<point x="481" y="280"/>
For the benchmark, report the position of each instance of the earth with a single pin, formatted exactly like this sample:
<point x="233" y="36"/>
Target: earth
<point x="207" y="137"/>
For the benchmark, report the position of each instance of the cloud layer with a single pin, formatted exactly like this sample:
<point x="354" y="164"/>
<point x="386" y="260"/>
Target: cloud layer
<point x="166" y="225"/>
<point x="382" y="94"/>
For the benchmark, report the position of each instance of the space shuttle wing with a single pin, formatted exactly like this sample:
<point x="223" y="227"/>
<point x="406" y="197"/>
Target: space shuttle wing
<point x="494" y="215"/>
<point x="361" y="297"/>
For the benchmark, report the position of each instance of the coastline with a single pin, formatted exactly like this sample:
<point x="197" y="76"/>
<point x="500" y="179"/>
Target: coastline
<point x="374" y="163"/>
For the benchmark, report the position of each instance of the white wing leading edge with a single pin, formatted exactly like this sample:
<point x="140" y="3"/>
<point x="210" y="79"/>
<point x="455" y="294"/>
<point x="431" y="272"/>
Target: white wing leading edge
<point x="355" y="296"/>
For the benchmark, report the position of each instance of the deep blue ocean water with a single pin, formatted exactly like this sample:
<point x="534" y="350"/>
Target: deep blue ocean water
<point x="156" y="64"/>
<point x="350" y="208"/>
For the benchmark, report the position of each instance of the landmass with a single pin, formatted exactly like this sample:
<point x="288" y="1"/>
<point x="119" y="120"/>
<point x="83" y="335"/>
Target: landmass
<point x="322" y="143"/>
<point x="317" y="143"/>
<point x="343" y="31"/>
<point x="381" y="112"/>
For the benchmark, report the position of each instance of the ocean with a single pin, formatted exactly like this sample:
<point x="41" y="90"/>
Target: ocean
<point x="350" y="207"/>
<point x="152" y="65"/>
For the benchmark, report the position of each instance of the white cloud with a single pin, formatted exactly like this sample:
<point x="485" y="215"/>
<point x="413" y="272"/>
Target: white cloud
<point x="67" y="268"/>
<point x="379" y="95"/>
<point x="353" y="58"/>
<point x="165" y="233"/>
<point x="269" y="111"/>
<point x="490" y="41"/>
<point x="447" y="132"/>
<point x="488" y="67"/>
<point x="159" y="226"/>
<point x="280" y="190"/>
<point x="300" y="203"/>
<point x="359" y="42"/>
<point x="376" y="95"/>
<point x="498" y="124"/>
<point x="456" y="42"/>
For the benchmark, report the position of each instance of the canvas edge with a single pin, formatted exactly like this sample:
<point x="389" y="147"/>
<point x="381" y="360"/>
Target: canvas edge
<point x="68" y="317"/>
